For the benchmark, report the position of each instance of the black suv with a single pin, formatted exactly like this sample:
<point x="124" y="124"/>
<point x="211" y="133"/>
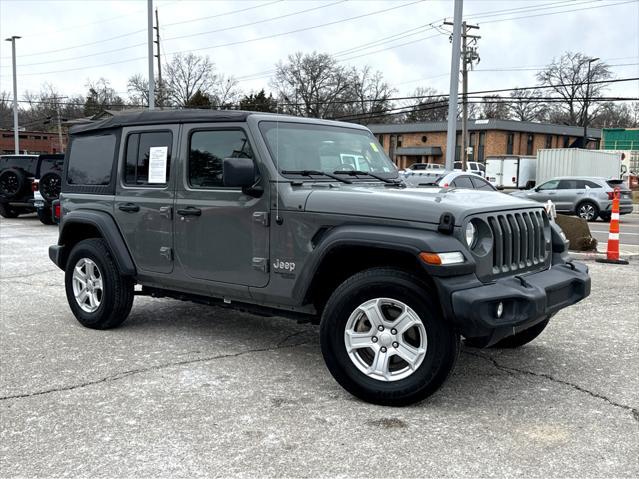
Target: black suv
<point x="264" y="213"/>
<point x="19" y="174"/>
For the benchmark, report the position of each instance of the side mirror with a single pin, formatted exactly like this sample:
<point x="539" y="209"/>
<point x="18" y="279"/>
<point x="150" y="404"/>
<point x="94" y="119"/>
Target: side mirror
<point x="241" y="172"/>
<point x="238" y="172"/>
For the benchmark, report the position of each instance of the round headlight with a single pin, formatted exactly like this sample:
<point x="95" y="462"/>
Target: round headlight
<point x="471" y="235"/>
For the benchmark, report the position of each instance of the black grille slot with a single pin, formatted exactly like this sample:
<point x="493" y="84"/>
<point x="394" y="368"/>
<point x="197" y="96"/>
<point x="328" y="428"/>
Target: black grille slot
<point x="519" y="240"/>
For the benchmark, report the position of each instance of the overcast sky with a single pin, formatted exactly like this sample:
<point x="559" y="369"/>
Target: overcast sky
<point x="65" y="43"/>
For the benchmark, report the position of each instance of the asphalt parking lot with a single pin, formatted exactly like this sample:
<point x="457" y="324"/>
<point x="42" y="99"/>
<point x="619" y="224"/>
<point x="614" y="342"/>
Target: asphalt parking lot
<point x="187" y="390"/>
<point x="628" y="234"/>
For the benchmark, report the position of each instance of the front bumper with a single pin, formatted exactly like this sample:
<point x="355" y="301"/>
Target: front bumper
<point x="527" y="300"/>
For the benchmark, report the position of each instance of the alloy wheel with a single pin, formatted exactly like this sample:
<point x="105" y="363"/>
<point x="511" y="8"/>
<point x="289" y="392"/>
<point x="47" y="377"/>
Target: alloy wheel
<point x="385" y="339"/>
<point x="88" y="288"/>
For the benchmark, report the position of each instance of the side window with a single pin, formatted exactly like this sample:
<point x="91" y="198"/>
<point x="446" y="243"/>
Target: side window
<point x="550" y="185"/>
<point x="462" y="182"/>
<point x="91" y="160"/>
<point x="568" y="185"/>
<point x="590" y="184"/>
<point x="148" y="158"/>
<point x="207" y="149"/>
<point x="480" y="184"/>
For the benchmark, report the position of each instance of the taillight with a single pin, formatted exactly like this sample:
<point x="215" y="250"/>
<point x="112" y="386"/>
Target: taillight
<point x="445" y="185"/>
<point x="57" y="211"/>
<point x="34" y="185"/>
<point x="611" y="195"/>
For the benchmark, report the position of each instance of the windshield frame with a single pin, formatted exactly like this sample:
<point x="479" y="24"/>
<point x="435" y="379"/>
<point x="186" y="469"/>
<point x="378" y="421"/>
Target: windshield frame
<point x="355" y="129"/>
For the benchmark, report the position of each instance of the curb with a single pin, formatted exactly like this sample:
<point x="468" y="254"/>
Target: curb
<point x="595" y="255"/>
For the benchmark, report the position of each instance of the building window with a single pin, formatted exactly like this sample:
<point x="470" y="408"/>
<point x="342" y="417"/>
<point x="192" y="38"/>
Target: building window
<point x="424" y="139"/>
<point x="548" y="141"/>
<point x="509" y="143"/>
<point x="480" y="148"/>
<point x="471" y="144"/>
<point x="399" y="141"/>
<point x="566" y="141"/>
<point x="381" y="140"/>
<point x="529" y="144"/>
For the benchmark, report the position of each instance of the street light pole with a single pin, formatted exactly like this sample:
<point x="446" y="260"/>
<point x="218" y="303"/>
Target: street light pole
<point x="585" y="116"/>
<point x="16" y="134"/>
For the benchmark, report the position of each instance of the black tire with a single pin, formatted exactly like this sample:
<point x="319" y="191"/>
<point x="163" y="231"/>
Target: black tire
<point x="49" y="186"/>
<point x="587" y="210"/>
<point x="605" y="217"/>
<point x="45" y="216"/>
<point x="7" y="211"/>
<point x="442" y="348"/>
<point x="12" y="182"/>
<point x="523" y="337"/>
<point x="117" y="292"/>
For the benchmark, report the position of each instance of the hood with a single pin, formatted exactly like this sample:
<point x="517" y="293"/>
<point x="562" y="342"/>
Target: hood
<point x="412" y="204"/>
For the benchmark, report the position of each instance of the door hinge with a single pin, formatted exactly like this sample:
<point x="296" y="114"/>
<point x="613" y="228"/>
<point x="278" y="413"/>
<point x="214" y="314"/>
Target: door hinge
<point x="166" y="252"/>
<point x="261" y="217"/>
<point x="166" y="211"/>
<point x="260" y="264"/>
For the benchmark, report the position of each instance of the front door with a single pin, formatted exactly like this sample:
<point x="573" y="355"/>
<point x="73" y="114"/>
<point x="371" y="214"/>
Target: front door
<point x="221" y="233"/>
<point x="145" y="195"/>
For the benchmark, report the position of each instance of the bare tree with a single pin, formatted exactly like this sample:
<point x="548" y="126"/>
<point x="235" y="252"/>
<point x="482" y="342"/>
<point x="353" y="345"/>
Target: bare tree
<point x="524" y="107"/>
<point x="312" y="85"/>
<point x="138" y="90"/>
<point x="611" y="115"/>
<point x="225" y="92"/>
<point x="6" y="110"/>
<point x="430" y="106"/>
<point x="494" y="107"/>
<point x="370" y="96"/>
<point x="186" y="74"/>
<point x="568" y="78"/>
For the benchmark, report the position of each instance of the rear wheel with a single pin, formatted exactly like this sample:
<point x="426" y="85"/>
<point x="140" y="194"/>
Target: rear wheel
<point x="45" y="216"/>
<point x="50" y="186"/>
<point x="588" y="210"/>
<point x="384" y="340"/>
<point x="12" y="182"/>
<point x="98" y="295"/>
<point x="7" y="211"/>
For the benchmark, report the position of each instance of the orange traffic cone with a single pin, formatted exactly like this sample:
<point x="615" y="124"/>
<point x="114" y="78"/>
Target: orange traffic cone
<point x="612" y="253"/>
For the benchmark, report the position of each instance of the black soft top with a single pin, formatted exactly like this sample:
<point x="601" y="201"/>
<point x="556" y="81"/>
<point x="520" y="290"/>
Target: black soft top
<point x="158" y="117"/>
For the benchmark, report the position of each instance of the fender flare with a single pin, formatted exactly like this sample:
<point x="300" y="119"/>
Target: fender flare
<point x="109" y="231"/>
<point x="401" y="239"/>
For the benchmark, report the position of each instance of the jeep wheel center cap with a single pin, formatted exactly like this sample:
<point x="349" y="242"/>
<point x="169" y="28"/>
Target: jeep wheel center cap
<point x="385" y="339"/>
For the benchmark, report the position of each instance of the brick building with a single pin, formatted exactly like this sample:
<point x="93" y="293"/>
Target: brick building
<point x="31" y="142"/>
<point x="412" y="143"/>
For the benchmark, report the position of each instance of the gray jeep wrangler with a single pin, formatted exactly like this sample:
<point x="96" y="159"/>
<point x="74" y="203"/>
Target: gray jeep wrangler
<point x="306" y="219"/>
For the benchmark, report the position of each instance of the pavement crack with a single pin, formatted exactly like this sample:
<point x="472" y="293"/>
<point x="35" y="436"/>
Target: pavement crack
<point x="158" y="367"/>
<point x="511" y="370"/>
<point x="29" y="275"/>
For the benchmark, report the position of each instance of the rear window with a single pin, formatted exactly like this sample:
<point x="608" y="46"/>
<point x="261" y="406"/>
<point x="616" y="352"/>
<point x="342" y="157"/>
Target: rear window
<point x="617" y="184"/>
<point x="91" y="160"/>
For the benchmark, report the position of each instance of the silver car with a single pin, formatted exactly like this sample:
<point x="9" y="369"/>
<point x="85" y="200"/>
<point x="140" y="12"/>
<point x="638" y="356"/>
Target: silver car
<point x="586" y="197"/>
<point x="451" y="179"/>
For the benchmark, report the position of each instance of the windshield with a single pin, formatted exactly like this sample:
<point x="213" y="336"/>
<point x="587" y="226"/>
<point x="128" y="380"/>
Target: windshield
<point x="302" y="146"/>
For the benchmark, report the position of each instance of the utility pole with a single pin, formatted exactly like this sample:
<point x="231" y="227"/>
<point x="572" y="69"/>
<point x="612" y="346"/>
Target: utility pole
<point x="150" y="54"/>
<point x="16" y="134"/>
<point x="157" y="41"/>
<point x="451" y="135"/>
<point x="468" y="56"/>
<point x="59" y="127"/>
<point x="585" y="115"/>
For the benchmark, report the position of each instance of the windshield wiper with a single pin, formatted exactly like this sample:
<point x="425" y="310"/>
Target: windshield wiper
<point x="372" y="175"/>
<point x="315" y="173"/>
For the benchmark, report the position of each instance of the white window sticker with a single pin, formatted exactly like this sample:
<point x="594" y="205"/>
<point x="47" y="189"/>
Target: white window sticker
<point x="157" y="164"/>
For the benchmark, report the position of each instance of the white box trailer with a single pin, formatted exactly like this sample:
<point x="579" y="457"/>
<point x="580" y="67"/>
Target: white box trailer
<point x="511" y="171"/>
<point x="577" y="162"/>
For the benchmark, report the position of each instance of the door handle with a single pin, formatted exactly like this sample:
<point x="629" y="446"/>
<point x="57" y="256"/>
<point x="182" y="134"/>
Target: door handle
<point x="129" y="207"/>
<point x="190" y="211"/>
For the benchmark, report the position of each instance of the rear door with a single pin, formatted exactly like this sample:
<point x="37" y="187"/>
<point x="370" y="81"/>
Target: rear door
<point x="145" y="192"/>
<point x="569" y="192"/>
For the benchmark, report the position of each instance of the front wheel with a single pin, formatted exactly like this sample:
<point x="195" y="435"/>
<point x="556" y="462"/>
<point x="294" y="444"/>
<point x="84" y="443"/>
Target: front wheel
<point x="98" y="295"/>
<point x="7" y="211"/>
<point x="383" y="338"/>
<point x="588" y="211"/>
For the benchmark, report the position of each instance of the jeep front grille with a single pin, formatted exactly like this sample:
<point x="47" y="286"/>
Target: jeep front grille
<point x="519" y="240"/>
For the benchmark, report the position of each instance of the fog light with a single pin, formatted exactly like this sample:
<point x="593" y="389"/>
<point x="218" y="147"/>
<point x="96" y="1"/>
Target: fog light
<point x="500" y="310"/>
